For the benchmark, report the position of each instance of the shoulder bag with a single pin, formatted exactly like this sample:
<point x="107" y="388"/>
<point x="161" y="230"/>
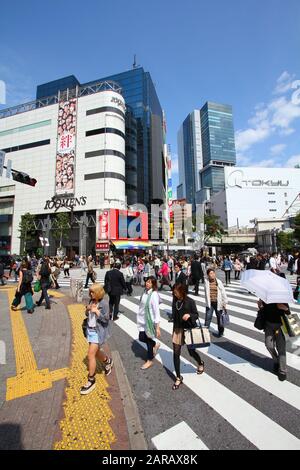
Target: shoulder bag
<point x="197" y="337"/>
<point x="260" y="322"/>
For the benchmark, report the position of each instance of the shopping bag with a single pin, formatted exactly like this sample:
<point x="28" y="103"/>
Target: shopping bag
<point x="224" y="319"/>
<point x="197" y="337"/>
<point x="291" y="325"/>
<point x="37" y="286"/>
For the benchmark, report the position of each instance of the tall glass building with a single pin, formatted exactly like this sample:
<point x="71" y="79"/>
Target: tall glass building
<point x="190" y="159"/>
<point x="144" y="136"/>
<point x="218" y="144"/>
<point x="205" y="145"/>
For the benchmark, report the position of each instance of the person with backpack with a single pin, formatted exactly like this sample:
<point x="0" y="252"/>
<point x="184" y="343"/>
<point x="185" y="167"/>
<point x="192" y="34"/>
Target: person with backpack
<point x="55" y="273"/>
<point x="148" y="320"/>
<point x="66" y="267"/>
<point x="90" y="272"/>
<point x="24" y="288"/>
<point x="43" y="275"/>
<point x="227" y="267"/>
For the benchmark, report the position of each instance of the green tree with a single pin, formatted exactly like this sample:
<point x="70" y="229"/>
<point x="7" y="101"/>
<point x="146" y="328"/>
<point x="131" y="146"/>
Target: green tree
<point x="27" y="229"/>
<point x="213" y="227"/>
<point x="285" y="240"/>
<point x="61" y="227"/>
<point x="297" y="227"/>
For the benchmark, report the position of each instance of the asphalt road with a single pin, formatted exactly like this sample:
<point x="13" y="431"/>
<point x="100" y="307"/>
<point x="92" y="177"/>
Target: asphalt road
<point x="237" y="404"/>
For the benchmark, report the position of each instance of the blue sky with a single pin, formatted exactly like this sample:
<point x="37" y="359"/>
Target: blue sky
<point x="241" y="52"/>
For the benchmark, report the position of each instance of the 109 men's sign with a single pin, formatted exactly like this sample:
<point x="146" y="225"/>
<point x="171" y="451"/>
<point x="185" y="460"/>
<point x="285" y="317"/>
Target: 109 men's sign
<point x="68" y="203"/>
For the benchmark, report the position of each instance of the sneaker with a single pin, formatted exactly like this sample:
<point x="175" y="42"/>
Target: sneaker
<point x="108" y="366"/>
<point x="282" y="377"/>
<point x="89" y="387"/>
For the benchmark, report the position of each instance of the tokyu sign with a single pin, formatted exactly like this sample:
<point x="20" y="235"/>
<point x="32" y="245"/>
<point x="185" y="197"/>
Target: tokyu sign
<point x="237" y="180"/>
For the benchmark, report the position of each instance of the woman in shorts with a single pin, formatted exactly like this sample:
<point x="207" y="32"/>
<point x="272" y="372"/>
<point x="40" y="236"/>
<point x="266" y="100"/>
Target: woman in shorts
<point x="98" y="331"/>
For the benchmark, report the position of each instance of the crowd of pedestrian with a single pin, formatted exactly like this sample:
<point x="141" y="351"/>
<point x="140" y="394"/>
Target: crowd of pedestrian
<point x="154" y="273"/>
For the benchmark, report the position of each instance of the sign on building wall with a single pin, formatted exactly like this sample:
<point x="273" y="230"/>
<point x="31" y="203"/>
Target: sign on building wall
<point x="66" y="145"/>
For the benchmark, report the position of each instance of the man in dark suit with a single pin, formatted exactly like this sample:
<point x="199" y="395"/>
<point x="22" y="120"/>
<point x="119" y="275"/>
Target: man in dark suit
<point x="180" y="278"/>
<point x="114" y="285"/>
<point x="197" y="273"/>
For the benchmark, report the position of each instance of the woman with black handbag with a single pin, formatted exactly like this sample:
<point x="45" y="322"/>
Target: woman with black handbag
<point x="185" y="317"/>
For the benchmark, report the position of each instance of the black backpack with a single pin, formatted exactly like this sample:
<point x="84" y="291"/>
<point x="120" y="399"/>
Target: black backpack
<point x="27" y="277"/>
<point x="45" y="272"/>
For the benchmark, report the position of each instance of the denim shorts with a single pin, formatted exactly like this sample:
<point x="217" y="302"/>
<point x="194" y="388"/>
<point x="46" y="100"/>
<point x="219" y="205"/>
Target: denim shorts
<point x="92" y="336"/>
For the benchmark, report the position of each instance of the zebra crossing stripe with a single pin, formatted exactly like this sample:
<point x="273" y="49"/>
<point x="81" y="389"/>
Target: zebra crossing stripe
<point x="260" y="430"/>
<point x="289" y="392"/>
<point x="179" y="437"/>
<point x="255" y="345"/>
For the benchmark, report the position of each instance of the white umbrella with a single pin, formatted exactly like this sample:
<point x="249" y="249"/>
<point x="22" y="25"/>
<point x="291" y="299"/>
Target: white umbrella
<point x="269" y="287"/>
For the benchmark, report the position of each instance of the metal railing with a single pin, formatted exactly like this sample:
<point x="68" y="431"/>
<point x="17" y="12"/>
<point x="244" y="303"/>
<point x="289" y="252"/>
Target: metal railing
<point x="65" y="94"/>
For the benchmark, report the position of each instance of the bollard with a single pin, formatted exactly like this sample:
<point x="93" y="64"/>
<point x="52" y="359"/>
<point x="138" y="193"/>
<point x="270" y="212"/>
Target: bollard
<point x="79" y="290"/>
<point x="73" y="288"/>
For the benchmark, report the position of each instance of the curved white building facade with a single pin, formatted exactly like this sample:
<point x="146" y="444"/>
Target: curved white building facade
<point x="74" y="148"/>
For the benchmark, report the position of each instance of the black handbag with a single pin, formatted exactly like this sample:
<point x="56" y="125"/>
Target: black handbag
<point x="260" y="322"/>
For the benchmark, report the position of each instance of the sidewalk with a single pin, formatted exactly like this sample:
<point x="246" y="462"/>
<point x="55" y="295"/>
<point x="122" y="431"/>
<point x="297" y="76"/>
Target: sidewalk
<point x="40" y="403"/>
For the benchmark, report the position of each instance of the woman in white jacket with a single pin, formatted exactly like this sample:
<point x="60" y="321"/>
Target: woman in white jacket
<point x="216" y="299"/>
<point x="148" y="320"/>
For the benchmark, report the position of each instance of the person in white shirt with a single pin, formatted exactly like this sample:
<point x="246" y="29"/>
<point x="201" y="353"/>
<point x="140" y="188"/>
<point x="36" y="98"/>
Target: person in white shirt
<point x="129" y="274"/>
<point x="273" y="262"/>
<point x="157" y="266"/>
<point x="148" y="320"/>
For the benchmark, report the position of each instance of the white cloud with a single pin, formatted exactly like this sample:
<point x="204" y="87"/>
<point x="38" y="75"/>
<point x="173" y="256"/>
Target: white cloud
<point x="284" y="83"/>
<point x="273" y="117"/>
<point x="270" y="163"/>
<point x="277" y="149"/>
<point x="293" y="161"/>
<point x="285" y="112"/>
<point x="247" y="138"/>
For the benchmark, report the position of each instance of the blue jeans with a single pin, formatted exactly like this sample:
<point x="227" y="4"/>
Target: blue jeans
<point x="209" y="315"/>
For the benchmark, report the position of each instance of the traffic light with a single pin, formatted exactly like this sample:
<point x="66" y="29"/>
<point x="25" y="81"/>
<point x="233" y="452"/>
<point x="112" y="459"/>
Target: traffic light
<point x="24" y="178"/>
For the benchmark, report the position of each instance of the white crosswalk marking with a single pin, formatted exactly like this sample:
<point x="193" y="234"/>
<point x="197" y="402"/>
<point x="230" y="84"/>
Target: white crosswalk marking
<point x="251" y="423"/>
<point x="263" y="429"/>
<point x="286" y="391"/>
<point x="247" y="342"/>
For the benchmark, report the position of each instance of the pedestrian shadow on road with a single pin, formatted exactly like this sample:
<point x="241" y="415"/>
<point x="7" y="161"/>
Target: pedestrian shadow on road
<point x="245" y="354"/>
<point x="10" y="437"/>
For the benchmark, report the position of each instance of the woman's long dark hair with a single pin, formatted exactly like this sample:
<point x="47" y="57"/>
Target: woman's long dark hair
<point x="153" y="281"/>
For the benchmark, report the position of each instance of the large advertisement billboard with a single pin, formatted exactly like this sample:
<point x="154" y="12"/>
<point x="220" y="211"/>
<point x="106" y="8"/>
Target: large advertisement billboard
<point x="66" y="145"/>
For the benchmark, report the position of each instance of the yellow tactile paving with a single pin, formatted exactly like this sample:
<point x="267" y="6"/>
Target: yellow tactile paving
<point x="56" y="294"/>
<point x="86" y="423"/>
<point x="28" y="379"/>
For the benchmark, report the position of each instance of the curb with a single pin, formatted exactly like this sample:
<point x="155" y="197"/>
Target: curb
<point x="135" y="431"/>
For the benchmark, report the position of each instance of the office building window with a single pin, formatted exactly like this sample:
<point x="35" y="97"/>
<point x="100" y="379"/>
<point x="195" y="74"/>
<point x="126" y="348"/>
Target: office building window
<point x="27" y="146"/>
<point x="105" y="130"/>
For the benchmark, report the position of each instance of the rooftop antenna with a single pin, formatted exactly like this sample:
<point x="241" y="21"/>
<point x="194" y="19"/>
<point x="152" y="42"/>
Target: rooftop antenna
<point x="134" y="65"/>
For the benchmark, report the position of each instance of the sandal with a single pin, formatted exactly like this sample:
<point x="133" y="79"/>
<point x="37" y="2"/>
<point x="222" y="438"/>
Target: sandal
<point x="200" y="368"/>
<point x="176" y="384"/>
